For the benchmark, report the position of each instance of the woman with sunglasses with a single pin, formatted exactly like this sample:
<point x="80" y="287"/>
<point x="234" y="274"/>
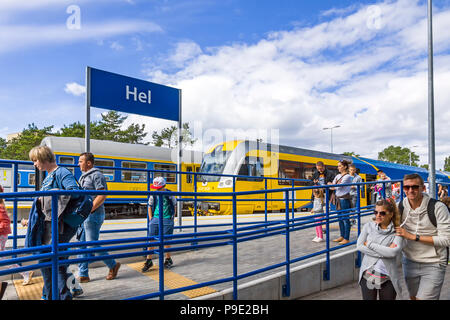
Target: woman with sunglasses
<point x="379" y="274"/>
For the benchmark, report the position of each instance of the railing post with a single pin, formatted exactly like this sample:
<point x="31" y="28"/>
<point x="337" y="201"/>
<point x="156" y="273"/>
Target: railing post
<point x="287" y="287"/>
<point x="235" y="264"/>
<point x="55" y="253"/>
<point x="195" y="203"/>
<point x="293" y="200"/>
<point x="15" y="210"/>
<point x="161" y="246"/>
<point x="326" y="272"/>
<point x="358" y="208"/>
<point x="265" y="199"/>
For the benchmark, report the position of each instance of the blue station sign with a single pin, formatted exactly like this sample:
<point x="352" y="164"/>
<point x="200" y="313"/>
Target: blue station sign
<point x="121" y="93"/>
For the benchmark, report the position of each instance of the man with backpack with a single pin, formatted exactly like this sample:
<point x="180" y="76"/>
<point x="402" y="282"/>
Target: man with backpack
<point x="426" y="227"/>
<point x="93" y="179"/>
<point x="168" y="212"/>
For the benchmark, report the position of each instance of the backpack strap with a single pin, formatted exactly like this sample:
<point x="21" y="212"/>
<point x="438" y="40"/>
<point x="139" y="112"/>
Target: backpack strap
<point x="430" y="210"/>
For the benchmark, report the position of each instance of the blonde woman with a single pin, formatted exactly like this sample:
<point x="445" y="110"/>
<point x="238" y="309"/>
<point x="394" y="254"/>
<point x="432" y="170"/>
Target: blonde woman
<point x="381" y="247"/>
<point x="57" y="178"/>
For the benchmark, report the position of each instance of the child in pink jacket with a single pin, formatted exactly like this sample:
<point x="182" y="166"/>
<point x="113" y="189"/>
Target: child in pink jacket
<point x="5" y="229"/>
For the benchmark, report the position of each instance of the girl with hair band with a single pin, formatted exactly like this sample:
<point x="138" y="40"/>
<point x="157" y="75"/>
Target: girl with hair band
<point x="318" y="208"/>
<point x="379" y="274"/>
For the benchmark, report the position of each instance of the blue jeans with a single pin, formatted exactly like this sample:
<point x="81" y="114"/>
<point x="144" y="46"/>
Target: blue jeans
<point x="64" y="291"/>
<point x="344" y="223"/>
<point x="91" y="232"/>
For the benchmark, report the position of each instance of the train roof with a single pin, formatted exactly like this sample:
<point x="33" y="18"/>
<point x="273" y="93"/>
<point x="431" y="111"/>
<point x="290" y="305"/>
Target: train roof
<point x="295" y="150"/>
<point x="119" y="149"/>
<point x="393" y="170"/>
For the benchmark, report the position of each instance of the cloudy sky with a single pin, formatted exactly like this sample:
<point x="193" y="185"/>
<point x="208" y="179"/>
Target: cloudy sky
<point x="271" y="69"/>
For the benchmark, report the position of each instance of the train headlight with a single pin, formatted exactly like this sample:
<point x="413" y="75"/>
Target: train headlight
<point x="226" y="183"/>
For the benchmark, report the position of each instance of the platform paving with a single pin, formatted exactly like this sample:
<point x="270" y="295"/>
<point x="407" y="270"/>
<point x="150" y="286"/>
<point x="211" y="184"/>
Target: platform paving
<point x="197" y="266"/>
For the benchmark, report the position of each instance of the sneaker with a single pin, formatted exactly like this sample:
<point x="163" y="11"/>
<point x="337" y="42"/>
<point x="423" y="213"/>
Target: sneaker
<point x="76" y="292"/>
<point x="28" y="276"/>
<point x="147" y="265"/>
<point x="168" y="263"/>
<point x="84" y="279"/>
<point x="113" y="272"/>
<point x="315" y="239"/>
<point x="319" y="240"/>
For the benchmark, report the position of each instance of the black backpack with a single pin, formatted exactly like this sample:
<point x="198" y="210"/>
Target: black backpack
<point x="430" y="211"/>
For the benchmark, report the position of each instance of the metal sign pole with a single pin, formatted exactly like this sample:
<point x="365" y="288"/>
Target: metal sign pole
<point x="431" y="149"/>
<point x="88" y="111"/>
<point x="180" y="154"/>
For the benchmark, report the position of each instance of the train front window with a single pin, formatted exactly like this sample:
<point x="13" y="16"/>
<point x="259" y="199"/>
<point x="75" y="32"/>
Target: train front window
<point x="213" y="163"/>
<point x="252" y="166"/>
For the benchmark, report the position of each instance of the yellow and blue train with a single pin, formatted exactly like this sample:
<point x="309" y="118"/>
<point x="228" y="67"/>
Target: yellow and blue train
<point x="285" y="167"/>
<point x="122" y="156"/>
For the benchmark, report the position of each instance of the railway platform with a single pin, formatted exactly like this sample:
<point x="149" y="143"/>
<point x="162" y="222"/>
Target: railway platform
<point x="197" y="266"/>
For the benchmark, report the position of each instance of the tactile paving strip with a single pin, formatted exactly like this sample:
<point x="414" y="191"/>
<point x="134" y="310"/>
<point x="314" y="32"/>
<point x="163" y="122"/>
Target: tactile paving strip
<point x="173" y="280"/>
<point x="33" y="291"/>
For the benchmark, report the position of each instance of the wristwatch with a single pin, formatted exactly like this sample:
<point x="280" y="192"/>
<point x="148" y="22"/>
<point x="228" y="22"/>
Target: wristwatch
<point x="417" y="237"/>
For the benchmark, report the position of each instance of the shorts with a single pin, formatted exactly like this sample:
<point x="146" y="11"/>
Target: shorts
<point x="424" y="280"/>
<point x="167" y="227"/>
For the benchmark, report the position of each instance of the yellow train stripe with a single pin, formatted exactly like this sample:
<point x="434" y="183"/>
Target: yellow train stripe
<point x="174" y="280"/>
<point x="32" y="291"/>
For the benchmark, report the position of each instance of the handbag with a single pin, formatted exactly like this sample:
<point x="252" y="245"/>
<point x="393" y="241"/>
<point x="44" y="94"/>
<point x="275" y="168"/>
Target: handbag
<point x="78" y="210"/>
<point x="83" y="207"/>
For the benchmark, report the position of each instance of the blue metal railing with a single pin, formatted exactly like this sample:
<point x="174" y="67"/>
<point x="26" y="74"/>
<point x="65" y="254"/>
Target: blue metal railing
<point x="237" y="233"/>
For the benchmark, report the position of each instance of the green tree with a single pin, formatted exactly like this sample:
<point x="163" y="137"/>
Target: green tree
<point x="19" y="147"/>
<point x="169" y="136"/>
<point x="351" y="154"/>
<point x="399" y="155"/>
<point x="109" y="128"/>
<point x="447" y="164"/>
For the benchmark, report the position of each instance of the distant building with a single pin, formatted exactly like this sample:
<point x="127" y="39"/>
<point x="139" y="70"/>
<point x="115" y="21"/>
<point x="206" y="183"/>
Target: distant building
<point x="11" y="136"/>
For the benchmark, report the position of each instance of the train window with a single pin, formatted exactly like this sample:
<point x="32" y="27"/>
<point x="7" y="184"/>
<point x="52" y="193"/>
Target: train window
<point x="68" y="160"/>
<point x="295" y="170"/>
<point x="18" y="178"/>
<point x="307" y="170"/>
<point x="32" y="179"/>
<point x="170" y="177"/>
<point x="252" y="166"/>
<point x="134" y="176"/>
<point x="108" y="173"/>
<point x="288" y="170"/>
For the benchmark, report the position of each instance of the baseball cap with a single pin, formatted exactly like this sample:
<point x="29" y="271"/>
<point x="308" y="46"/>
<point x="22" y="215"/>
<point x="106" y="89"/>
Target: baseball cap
<point x="158" y="183"/>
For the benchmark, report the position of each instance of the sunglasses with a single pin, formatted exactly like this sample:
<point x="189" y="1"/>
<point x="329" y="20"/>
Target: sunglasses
<point x="414" y="187"/>
<point x="383" y="213"/>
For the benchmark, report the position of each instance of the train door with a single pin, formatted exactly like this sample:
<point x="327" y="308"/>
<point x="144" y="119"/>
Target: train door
<point x="251" y="166"/>
<point x="369" y="192"/>
<point x="188" y="179"/>
<point x="364" y="200"/>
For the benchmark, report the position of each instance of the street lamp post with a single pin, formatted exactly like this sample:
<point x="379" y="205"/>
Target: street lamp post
<point x="331" y="133"/>
<point x="431" y="149"/>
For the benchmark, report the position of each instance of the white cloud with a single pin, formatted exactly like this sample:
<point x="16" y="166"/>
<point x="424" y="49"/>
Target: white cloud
<point x="75" y="89"/>
<point x="302" y="80"/>
<point x="16" y="37"/>
<point x="115" y="45"/>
